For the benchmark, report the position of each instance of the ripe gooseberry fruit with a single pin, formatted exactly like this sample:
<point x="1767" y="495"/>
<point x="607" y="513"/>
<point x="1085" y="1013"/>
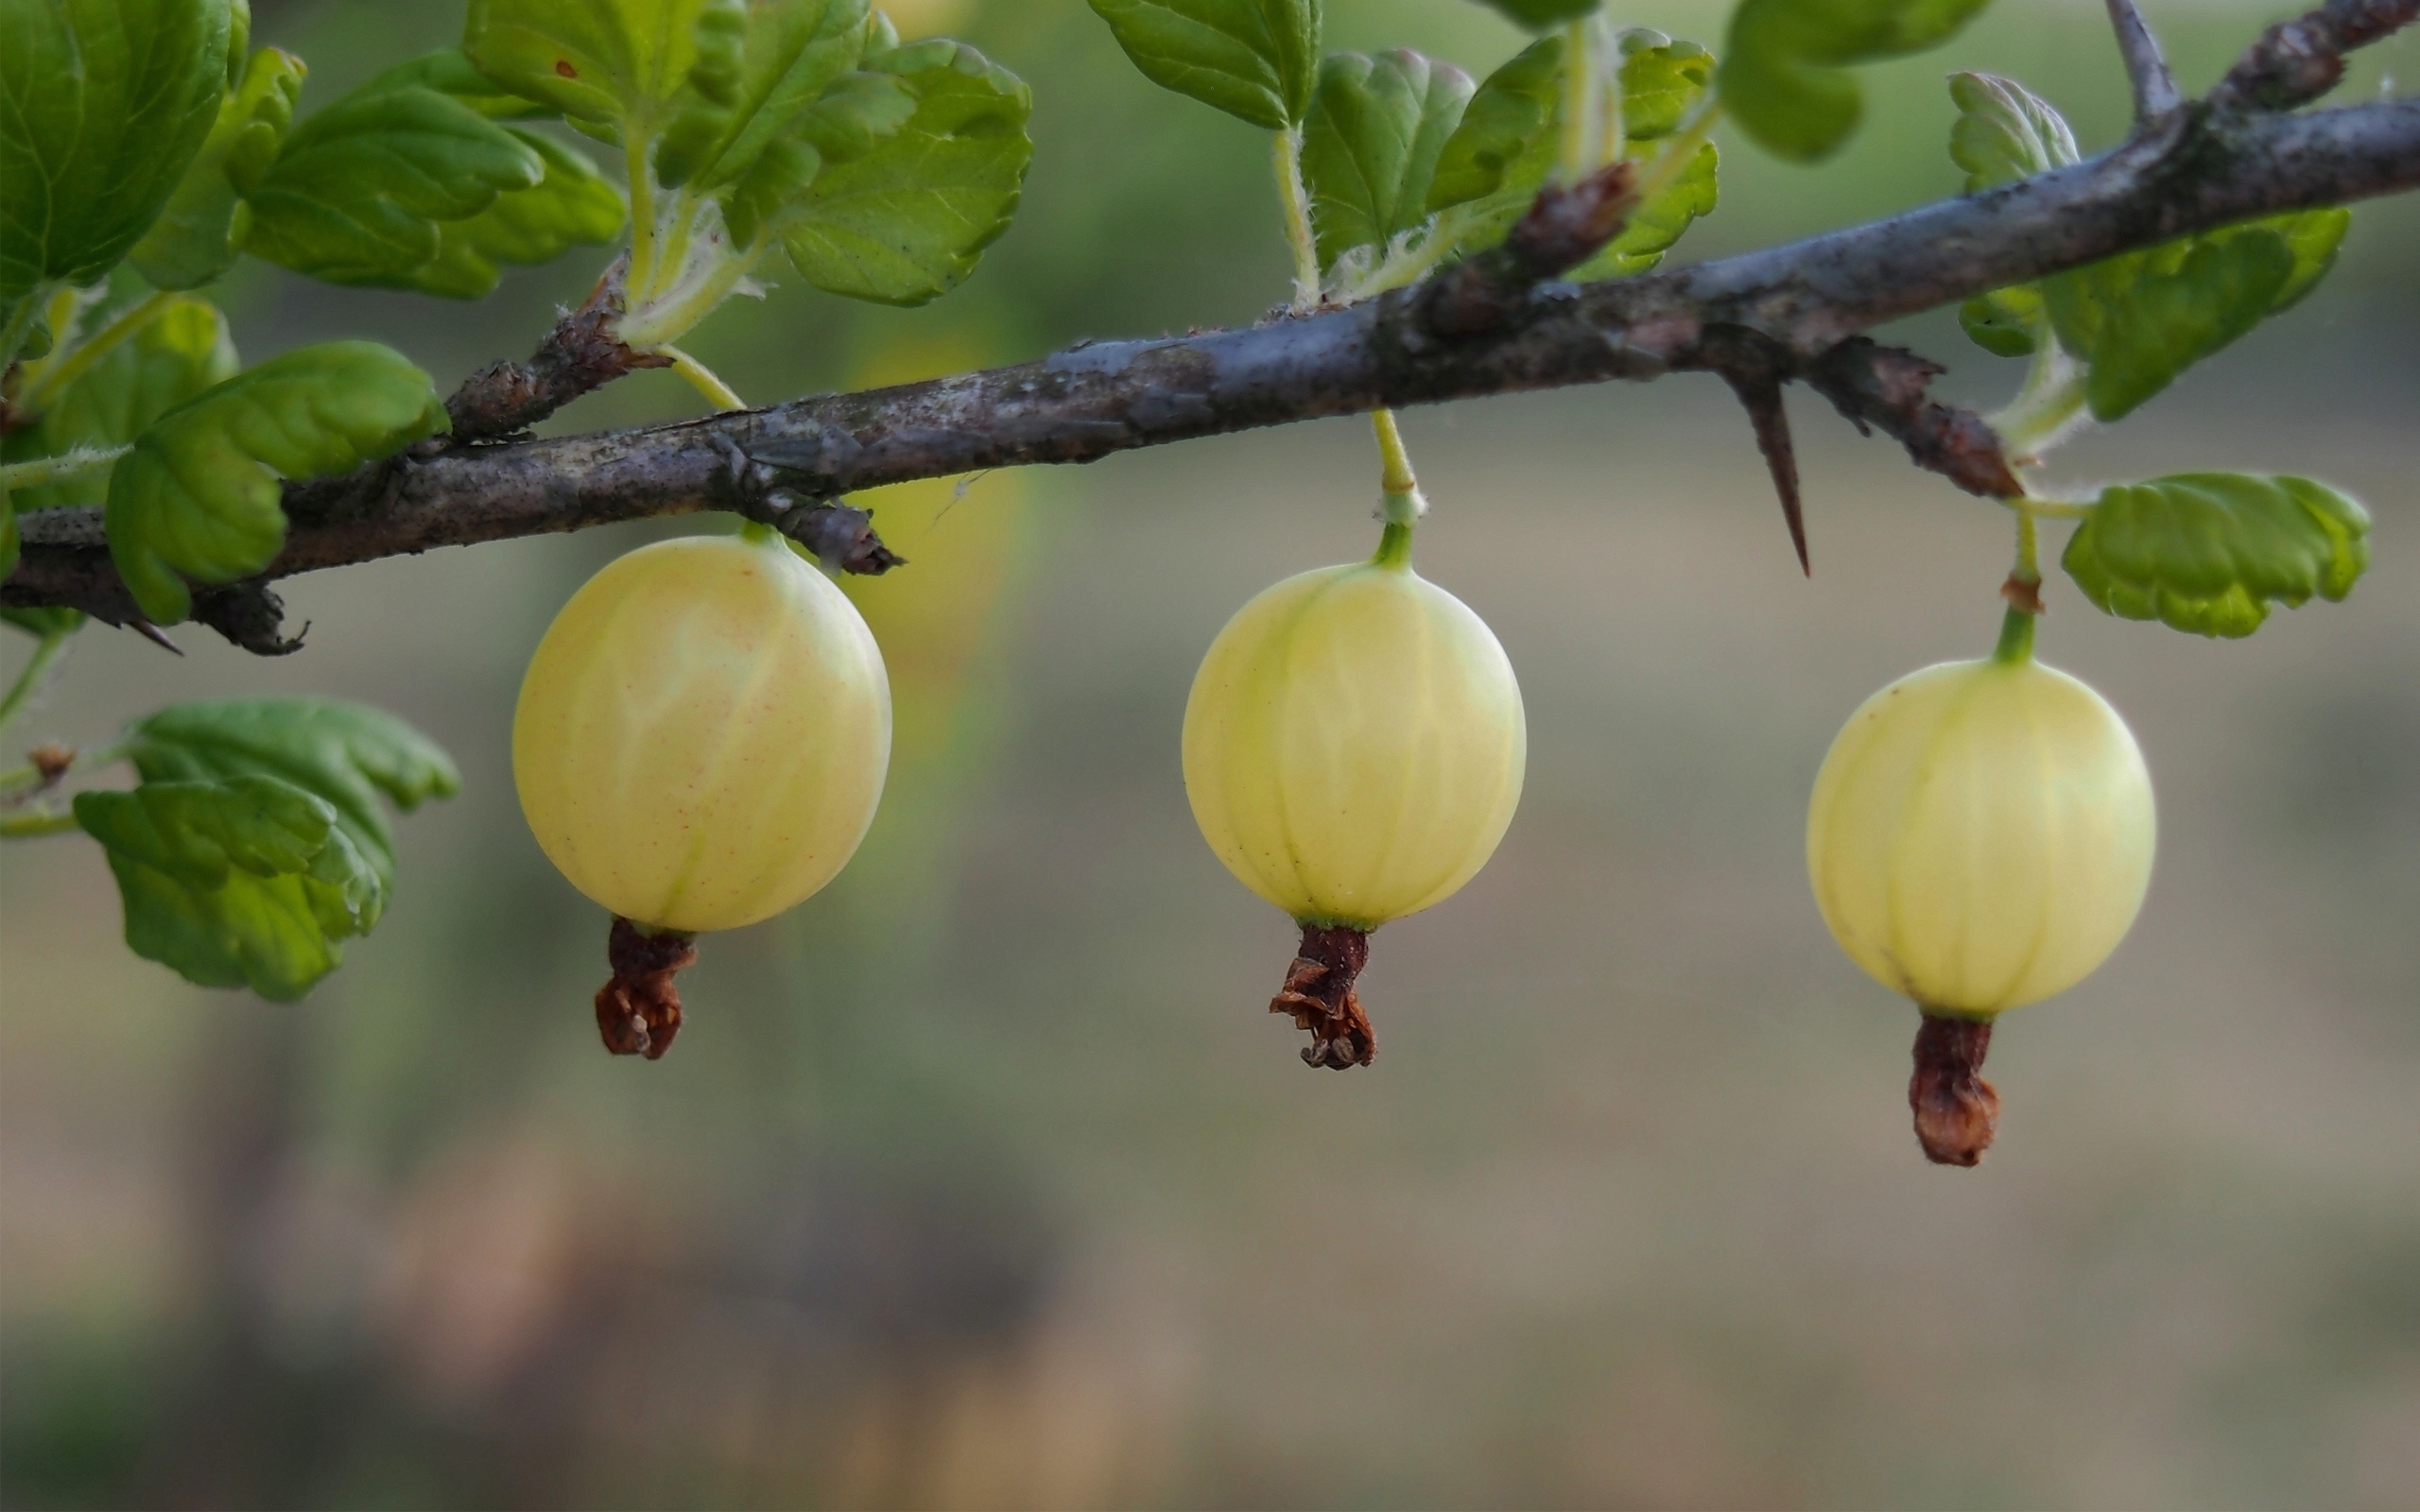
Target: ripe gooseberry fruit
<point x="699" y="744"/>
<point x="1354" y="748"/>
<point x="1981" y="837"/>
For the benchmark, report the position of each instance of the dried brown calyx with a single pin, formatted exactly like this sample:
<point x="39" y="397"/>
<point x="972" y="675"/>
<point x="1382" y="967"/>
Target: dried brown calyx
<point x="639" y="1011"/>
<point x="1958" y="1112"/>
<point x="1320" y="997"/>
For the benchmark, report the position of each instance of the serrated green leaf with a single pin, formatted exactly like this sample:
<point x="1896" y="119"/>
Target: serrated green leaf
<point x="255" y="842"/>
<point x="2003" y="322"/>
<point x="2314" y="237"/>
<point x="2005" y="132"/>
<point x="2209" y="551"/>
<point x="858" y="113"/>
<point x="269" y="934"/>
<point x="1785" y="75"/>
<point x="855" y="115"/>
<point x="360" y="190"/>
<point x="1509" y="141"/>
<point x="1662" y="81"/>
<point x="193" y="241"/>
<point x="182" y="352"/>
<point x="573" y="205"/>
<point x="613" y="64"/>
<point x="198" y="497"/>
<point x="775" y="188"/>
<point x="1654" y="227"/>
<point x="1513" y="109"/>
<point x="1256" y="60"/>
<point x="1369" y="149"/>
<point x="2140" y="319"/>
<point x="794" y="50"/>
<point x="908" y="222"/>
<point x="102" y="105"/>
<point x="197" y="834"/>
<point x="451" y="73"/>
<point x="346" y="753"/>
<point x="1539" y="14"/>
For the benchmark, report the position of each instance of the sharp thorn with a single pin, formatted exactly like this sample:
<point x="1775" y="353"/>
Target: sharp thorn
<point x="1761" y="397"/>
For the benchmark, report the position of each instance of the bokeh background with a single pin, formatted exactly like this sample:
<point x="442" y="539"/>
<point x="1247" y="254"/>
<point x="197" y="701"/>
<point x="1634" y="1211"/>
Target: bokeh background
<point x="985" y="1179"/>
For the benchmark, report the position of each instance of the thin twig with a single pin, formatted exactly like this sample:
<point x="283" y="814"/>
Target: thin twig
<point x="2146" y="68"/>
<point x="1805" y="300"/>
<point x="2296" y="61"/>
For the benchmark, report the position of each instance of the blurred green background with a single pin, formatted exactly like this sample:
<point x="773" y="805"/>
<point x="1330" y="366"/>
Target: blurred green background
<point x="985" y="1179"/>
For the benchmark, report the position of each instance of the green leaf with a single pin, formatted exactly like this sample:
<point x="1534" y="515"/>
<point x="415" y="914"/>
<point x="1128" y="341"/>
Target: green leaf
<point x="613" y="64"/>
<point x="358" y="191"/>
<point x="450" y="72"/>
<point x="573" y="204"/>
<point x="240" y="883"/>
<point x="2144" y="318"/>
<point x="347" y="753"/>
<point x="1512" y="111"/>
<point x="1256" y="60"/>
<point x="1509" y="145"/>
<point x="1539" y="14"/>
<point x="773" y="194"/>
<point x="1654" y="227"/>
<point x="182" y="352"/>
<point x="2004" y="322"/>
<point x="2209" y="552"/>
<point x="794" y="50"/>
<point x="193" y="241"/>
<point x="256" y="842"/>
<point x="907" y="221"/>
<point x="1369" y="150"/>
<point x="2005" y="131"/>
<point x="569" y="203"/>
<point x="199" y="832"/>
<point x="102" y="105"/>
<point x="1662" y="81"/>
<point x="44" y="622"/>
<point x="1784" y="73"/>
<point x="198" y="495"/>
<point x="858" y="113"/>
<point x="2138" y="319"/>
<point x="2314" y="236"/>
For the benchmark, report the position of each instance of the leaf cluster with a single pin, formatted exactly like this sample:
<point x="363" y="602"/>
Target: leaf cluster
<point x="145" y="147"/>
<point x="255" y="843"/>
<point x="1408" y="163"/>
<point x="2137" y="320"/>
